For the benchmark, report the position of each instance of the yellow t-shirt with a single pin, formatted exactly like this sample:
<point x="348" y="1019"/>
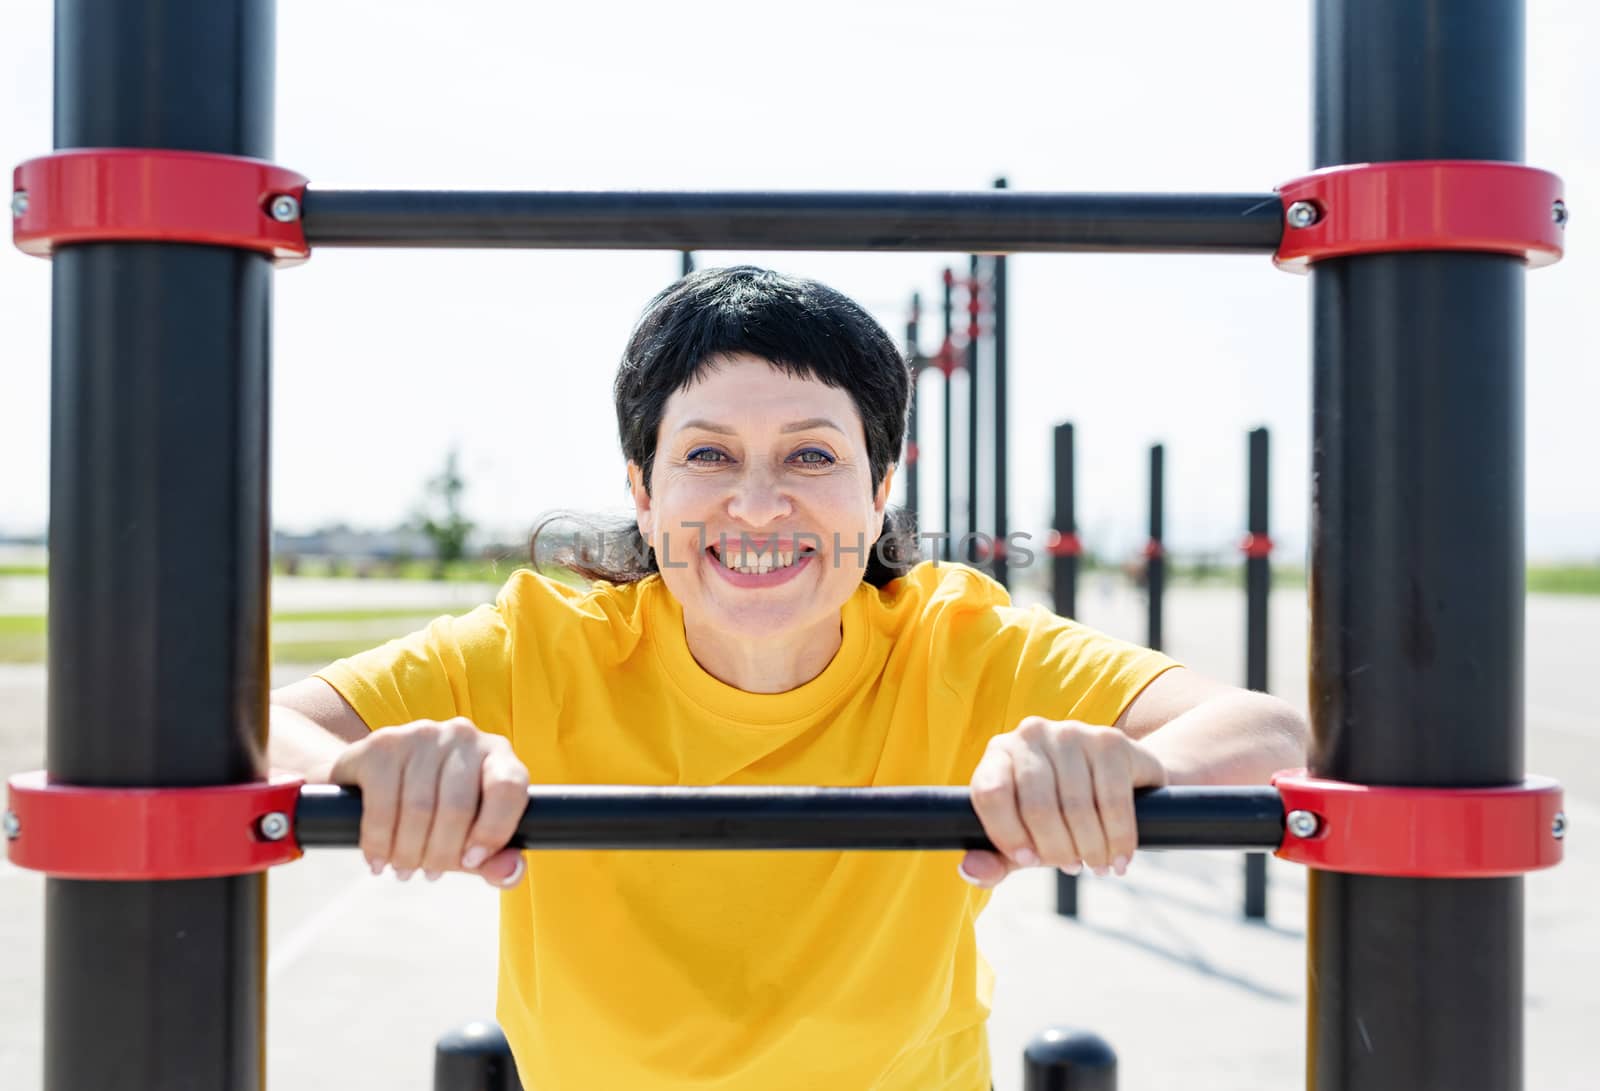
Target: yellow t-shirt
<point x="776" y="971"/>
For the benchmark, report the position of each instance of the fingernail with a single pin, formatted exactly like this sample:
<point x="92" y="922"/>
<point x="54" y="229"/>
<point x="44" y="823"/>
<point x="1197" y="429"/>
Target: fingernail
<point x="405" y="875"/>
<point x="1027" y="858"/>
<point x="969" y="877"/>
<point x="1073" y="870"/>
<point x="516" y="875"/>
<point x="1120" y="865"/>
<point x="375" y="864"/>
<point x="1102" y="872"/>
<point x="474" y="856"/>
<point x="433" y="876"/>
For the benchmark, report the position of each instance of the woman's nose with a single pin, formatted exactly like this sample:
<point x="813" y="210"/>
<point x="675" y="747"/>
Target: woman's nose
<point x="758" y="499"/>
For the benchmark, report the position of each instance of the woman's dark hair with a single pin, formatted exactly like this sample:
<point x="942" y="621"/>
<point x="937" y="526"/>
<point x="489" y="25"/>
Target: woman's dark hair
<point x="805" y="329"/>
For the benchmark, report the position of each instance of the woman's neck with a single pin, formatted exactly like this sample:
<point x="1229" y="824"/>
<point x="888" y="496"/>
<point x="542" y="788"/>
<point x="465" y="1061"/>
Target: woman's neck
<point x="767" y="665"/>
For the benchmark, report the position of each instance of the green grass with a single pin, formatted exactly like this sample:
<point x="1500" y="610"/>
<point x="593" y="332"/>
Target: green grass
<point x="23" y="570"/>
<point x="1567" y="579"/>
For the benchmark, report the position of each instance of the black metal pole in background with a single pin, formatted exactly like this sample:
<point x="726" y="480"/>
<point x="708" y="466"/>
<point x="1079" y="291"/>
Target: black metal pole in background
<point x="158" y="553"/>
<point x="1155" y="552"/>
<point x="1258" y="585"/>
<point x="1064" y="597"/>
<point x="947" y="367"/>
<point x="913" y="455"/>
<point x="1416" y="587"/>
<point x="687" y="265"/>
<point x="974" y="343"/>
<point x="1001" y="527"/>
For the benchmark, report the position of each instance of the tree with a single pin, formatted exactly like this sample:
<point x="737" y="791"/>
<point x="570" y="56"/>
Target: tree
<point x="441" y="518"/>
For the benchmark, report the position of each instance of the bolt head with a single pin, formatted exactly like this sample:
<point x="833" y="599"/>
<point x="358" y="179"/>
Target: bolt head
<point x="1303" y="214"/>
<point x="285" y="209"/>
<point x="1558" y="826"/>
<point x="274" y="826"/>
<point x="19" y="204"/>
<point x="1303" y="823"/>
<point x="13" y="826"/>
<point x="1558" y="213"/>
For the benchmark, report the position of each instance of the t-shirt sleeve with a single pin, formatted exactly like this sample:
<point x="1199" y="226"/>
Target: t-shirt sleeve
<point x="455" y="666"/>
<point x="1064" y="670"/>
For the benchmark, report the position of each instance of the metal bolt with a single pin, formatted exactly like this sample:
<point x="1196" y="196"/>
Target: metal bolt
<point x="1558" y="213"/>
<point x="1304" y="823"/>
<point x="274" y="826"/>
<point x="13" y="826"/>
<point x="1304" y="214"/>
<point x="285" y="209"/>
<point x="19" y="203"/>
<point x="1558" y="827"/>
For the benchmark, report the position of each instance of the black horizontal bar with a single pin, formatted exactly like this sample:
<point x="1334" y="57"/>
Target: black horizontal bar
<point x="984" y="221"/>
<point x="619" y="817"/>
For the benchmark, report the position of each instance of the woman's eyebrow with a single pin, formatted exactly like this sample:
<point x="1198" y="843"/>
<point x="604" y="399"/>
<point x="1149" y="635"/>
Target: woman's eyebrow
<point x="794" y="426"/>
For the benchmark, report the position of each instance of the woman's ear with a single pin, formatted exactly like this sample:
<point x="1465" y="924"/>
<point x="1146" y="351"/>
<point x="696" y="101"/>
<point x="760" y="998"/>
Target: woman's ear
<point x="641" y="500"/>
<point x="881" y="500"/>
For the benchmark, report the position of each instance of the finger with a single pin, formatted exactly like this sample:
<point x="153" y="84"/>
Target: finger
<point x="419" y="794"/>
<point x="1038" y="799"/>
<point x="994" y="798"/>
<point x="1076" y="790"/>
<point x="504" y="799"/>
<point x="504" y="869"/>
<point x="984" y="869"/>
<point x="457" y="806"/>
<point x="1112" y="777"/>
<point x="373" y="765"/>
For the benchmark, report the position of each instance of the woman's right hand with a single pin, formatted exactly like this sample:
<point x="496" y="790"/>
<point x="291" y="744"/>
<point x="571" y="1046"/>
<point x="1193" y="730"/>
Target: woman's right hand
<point x="437" y="796"/>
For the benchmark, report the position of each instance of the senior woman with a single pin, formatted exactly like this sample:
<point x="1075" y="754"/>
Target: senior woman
<point x="772" y="626"/>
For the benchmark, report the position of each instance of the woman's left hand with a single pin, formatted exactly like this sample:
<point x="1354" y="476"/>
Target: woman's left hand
<point x="1059" y="793"/>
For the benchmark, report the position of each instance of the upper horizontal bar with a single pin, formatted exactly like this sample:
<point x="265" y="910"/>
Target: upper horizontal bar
<point x="987" y="221"/>
<point x="608" y="817"/>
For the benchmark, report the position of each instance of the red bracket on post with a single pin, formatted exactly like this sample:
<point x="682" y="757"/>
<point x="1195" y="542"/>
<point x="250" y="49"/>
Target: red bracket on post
<point x="1452" y="204"/>
<point x="1256" y="545"/>
<point x="71" y="832"/>
<point x="1064" y="545"/>
<point x="148" y="195"/>
<point x="1431" y="833"/>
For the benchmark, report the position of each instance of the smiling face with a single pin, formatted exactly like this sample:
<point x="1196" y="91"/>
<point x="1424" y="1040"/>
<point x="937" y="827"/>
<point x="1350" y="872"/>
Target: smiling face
<point x="768" y="472"/>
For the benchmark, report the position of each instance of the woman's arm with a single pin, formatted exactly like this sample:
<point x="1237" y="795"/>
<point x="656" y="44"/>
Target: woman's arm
<point x="1207" y="732"/>
<point x="309" y="726"/>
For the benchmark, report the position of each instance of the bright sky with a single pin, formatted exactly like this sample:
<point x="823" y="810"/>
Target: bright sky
<point x="385" y="359"/>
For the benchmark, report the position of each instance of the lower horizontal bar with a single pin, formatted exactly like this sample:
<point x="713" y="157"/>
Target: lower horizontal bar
<point x="937" y="818"/>
<point x="988" y="221"/>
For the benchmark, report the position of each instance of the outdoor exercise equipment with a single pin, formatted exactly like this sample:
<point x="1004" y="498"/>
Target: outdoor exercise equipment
<point x="163" y="215"/>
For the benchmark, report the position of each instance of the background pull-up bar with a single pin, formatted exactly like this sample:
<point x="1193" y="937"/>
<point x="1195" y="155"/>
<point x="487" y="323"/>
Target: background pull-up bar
<point x="982" y="221"/>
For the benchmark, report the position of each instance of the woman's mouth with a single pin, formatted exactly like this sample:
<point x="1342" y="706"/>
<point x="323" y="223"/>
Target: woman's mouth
<point x="767" y="568"/>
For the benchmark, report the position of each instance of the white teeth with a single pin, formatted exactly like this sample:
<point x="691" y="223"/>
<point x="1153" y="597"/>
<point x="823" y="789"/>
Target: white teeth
<point x="758" y="564"/>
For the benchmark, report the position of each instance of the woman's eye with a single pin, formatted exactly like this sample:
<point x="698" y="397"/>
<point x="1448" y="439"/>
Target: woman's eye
<point x="694" y="455"/>
<point x="822" y="459"/>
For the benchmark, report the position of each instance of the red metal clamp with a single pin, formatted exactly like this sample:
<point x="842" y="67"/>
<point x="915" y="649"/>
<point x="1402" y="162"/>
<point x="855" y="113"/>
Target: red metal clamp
<point x="1435" y="833"/>
<point x="1064" y="545"/>
<point x="1256" y="545"/>
<point x="71" y="832"/>
<point x="1451" y="204"/>
<point x="1152" y="550"/>
<point x="145" y="195"/>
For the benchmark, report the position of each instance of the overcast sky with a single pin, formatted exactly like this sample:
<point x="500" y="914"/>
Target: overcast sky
<point x="384" y="360"/>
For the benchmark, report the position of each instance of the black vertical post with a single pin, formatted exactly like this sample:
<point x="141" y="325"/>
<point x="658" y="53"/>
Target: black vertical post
<point x="974" y="341"/>
<point x="687" y="265"/>
<point x="1416" y="587"/>
<point x="1258" y="584"/>
<point x="947" y="460"/>
<point x="1064" y="596"/>
<point x="913" y="452"/>
<point x="158" y="553"/>
<point x="1001" y="526"/>
<point x="1155" y="551"/>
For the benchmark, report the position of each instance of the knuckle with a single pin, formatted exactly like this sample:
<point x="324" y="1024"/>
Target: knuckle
<point x="1034" y="729"/>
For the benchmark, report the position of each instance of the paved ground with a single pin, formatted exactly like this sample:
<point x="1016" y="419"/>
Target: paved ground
<point x="366" y="973"/>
